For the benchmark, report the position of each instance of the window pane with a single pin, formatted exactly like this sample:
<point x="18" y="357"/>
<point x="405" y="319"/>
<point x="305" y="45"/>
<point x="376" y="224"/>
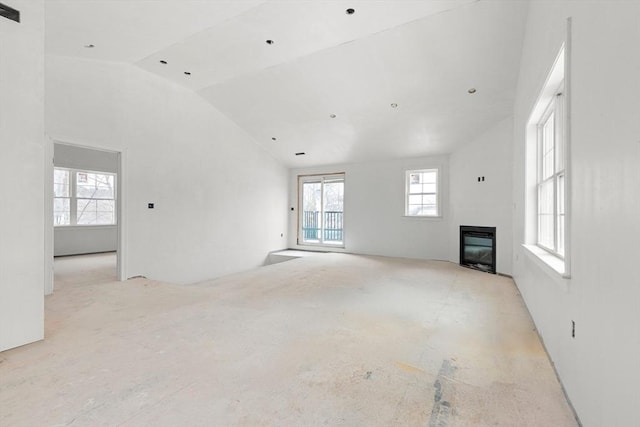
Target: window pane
<point x="60" y="190"/>
<point x="105" y="217"/>
<point x="86" y="212"/>
<point x="414" y="209"/>
<point x="560" y="248"/>
<point x="545" y="228"/>
<point x="95" y="186"/>
<point x="422" y="193"/>
<point x="105" y="205"/>
<point x="429" y="188"/>
<point x="545" y="214"/>
<point x="60" y="176"/>
<point x="429" y="199"/>
<point x="559" y="138"/>
<point x="60" y="183"/>
<point x="545" y="198"/>
<point x="311" y="204"/>
<point x="415" y="188"/>
<point x="428" y="210"/>
<point x="547" y="149"/>
<point x="415" y="199"/>
<point x="333" y="196"/>
<point x="61" y="211"/>
<point x="561" y="194"/>
<point x="429" y="177"/>
<point x="332" y="220"/>
<point x="561" y="215"/>
<point x="95" y="212"/>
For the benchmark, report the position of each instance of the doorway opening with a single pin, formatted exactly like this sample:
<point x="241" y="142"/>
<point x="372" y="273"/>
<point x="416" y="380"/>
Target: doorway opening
<point x="321" y="210"/>
<point x="85" y="211"/>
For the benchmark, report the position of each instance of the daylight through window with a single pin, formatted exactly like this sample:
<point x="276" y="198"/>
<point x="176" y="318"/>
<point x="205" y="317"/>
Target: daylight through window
<point x="422" y="193"/>
<point x="83" y="197"/>
<point x="551" y="177"/>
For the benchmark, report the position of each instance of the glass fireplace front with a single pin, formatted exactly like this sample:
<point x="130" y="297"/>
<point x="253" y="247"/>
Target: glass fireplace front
<point x="478" y="248"/>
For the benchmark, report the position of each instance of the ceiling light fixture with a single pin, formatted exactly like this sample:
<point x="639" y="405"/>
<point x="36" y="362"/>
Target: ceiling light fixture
<point x="350" y="11"/>
<point x="333" y="116"/>
<point x="394" y="105"/>
<point x="472" y="90"/>
<point x="188" y="73"/>
<point x="302" y="153"/>
<point x="162" y="61"/>
<point x="270" y="41"/>
<point x="89" y="46"/>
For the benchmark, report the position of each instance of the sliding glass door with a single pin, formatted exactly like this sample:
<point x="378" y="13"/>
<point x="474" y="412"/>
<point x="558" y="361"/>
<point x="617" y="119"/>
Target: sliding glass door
<point x="321" y="210"/>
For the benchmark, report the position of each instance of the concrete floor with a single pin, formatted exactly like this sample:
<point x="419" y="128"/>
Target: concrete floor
<point x="333" y="339"/>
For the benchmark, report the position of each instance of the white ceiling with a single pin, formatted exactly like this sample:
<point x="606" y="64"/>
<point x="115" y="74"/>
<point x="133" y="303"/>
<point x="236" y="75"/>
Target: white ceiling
<point x="421" y="54"/>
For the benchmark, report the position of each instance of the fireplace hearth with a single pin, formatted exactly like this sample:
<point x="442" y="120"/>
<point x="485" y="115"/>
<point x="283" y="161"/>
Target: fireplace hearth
<point x="478" y="248"/>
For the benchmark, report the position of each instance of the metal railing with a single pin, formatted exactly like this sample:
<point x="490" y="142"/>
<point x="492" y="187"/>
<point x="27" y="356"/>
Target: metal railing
<point x="313" y="230"/>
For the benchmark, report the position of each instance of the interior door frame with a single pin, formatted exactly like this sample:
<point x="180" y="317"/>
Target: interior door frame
<point x="121" y="224"/>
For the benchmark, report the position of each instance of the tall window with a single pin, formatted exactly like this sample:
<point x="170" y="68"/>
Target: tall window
<point x="547" y="172"/>
<point x="551" y="176"/>
<point x="422" y="193"/>
<point x="83" y="197"/>
<point x="321" y="220"/>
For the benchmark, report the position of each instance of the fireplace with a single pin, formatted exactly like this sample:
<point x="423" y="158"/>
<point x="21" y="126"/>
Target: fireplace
<point x="478" y="248"/>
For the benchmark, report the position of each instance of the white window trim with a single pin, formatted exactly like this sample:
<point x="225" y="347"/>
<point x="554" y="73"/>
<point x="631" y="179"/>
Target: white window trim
<point x="438" y="214"/>
<point x="559" y="74"/>
<point x="73" y="214"/>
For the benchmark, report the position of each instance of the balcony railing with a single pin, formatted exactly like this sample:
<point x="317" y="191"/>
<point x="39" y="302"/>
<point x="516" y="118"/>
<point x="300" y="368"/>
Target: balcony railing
<point x="312" y="229"/>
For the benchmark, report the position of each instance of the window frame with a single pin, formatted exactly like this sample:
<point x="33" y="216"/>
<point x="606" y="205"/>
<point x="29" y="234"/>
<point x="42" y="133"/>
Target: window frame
<point x="74" y="198"/>
<point x="558" y="81"/>
<point x="408" y="193"/>
<point x="555" y="108"/>
<point x="320" y="178"/>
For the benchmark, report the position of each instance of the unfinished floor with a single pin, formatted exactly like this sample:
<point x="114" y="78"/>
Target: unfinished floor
<point x="333" y="339"/>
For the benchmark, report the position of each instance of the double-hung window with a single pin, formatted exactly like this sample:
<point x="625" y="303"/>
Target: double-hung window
<point x="548" y="174"/>
<point x="551" y="177"/>
<point x="83" y="197"/>
<point x="422" y="193"/>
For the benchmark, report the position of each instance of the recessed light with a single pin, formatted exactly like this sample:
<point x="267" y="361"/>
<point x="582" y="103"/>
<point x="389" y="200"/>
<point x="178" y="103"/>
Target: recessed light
<point x="394" y="105"/>
<point x="89" y="46"/>
<point x="302" y="153"/>
<point x="273" y="138"/>
<point x="188" y="73"/>
<point x="270" y="41"/>
<point x="350" y="11"/>
<point x="472" y="90"/>
<point x="162" y="61"/>
<point x="333" y="116"/>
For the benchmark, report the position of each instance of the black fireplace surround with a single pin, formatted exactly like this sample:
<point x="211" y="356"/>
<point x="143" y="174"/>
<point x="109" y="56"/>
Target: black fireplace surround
<point x="478" y="248"/>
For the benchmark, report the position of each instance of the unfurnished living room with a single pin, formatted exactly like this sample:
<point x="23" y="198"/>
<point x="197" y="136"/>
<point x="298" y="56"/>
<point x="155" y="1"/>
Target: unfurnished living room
<point x="320" y="213"/>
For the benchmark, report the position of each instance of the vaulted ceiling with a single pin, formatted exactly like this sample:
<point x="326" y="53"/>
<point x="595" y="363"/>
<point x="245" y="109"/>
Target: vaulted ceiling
<point x="390" y="80"/>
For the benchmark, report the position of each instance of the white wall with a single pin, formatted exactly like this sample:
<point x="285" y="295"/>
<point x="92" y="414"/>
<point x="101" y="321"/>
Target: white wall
<point x="22" y="181"/>
<point x="600" y="368"/>
<point x="488" y="203"/>
<point x="374" y="220"/>
<point x="74" y="240"/>
<point x="220" y="201"/>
